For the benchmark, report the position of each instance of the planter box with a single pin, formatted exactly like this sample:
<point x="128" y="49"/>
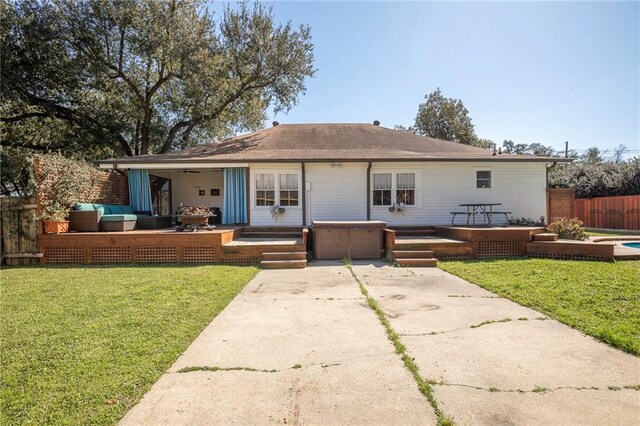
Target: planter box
<point x="56" y="227"/>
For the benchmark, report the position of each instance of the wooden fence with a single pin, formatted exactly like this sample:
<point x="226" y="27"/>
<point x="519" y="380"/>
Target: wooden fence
<point x="609" y="212"/>
<point x="19" y="231"/>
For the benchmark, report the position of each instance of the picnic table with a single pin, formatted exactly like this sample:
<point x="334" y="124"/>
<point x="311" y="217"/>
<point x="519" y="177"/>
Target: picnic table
<point x="485" y="209"/>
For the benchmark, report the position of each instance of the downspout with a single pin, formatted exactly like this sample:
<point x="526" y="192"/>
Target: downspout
<point x="304" y="196"/>
<point x="548" y="168"/>
<point x="369" y="191"/>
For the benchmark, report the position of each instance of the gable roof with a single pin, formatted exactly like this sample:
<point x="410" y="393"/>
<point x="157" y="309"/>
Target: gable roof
<point x="328" y="142"/>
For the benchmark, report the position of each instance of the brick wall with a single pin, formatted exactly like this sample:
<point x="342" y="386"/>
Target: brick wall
<point x="112" y="188"/>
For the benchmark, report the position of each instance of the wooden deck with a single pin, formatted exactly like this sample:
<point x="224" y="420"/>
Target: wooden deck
<point x="458" y="242"/>
<point x="221" y="245"/>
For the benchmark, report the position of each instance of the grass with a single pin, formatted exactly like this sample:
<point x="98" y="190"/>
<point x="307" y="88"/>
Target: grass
<point x="601" y="299"/>
<point x="82" y="345"/>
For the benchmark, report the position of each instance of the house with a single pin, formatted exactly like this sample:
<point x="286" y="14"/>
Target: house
<point x="336" y="172"/>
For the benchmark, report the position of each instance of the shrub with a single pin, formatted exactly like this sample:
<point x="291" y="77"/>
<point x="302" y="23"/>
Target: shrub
<point x="61" y="182"/>
<point x="527" y="221"/>
<point x="572" y="229"/>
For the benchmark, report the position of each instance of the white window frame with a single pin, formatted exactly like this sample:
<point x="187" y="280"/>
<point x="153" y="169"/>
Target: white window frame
<point x="276" y="183"/>
<point x="374" y="189"/>
<point x="280" y="190"/>
<point x="394" y="186"/>
<point x="492" y="181"/>
<point x="255" y="189"/>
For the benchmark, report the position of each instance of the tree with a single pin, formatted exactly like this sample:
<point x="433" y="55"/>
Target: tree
<point x="510" y="147"/>
<point x="619" y="153"/>
<point x="144" y="76"/>
<point x="593" y="155"/>
<point x="444" y="118"/>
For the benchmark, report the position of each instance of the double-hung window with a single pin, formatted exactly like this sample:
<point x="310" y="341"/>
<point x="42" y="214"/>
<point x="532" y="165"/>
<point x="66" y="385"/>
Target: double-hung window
<point x="288" y="189"/>
<point x="406" y="188"/>
<point x="265" y="189"/>
<point x="273" y="188"/>
<point x="394" y="188"/>
<point x="483" y="179"/>
<point x="382" y="187"/>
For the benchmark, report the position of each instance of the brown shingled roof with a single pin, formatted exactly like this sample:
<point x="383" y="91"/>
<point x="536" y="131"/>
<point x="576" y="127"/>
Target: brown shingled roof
<point x="328" y="142"/>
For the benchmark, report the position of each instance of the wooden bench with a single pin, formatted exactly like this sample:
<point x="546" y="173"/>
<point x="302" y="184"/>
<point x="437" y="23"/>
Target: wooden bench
<point x="467" y="213"/>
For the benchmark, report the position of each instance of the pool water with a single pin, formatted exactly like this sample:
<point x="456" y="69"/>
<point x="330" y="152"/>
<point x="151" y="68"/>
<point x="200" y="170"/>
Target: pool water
<point x="635" y="244"/>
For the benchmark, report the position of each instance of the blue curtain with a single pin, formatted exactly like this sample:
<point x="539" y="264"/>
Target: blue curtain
<point x="234" y="204"/>
<point x="140" y="191"/>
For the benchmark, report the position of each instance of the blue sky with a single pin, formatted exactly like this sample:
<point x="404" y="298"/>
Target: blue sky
<point x="529" y="72"/>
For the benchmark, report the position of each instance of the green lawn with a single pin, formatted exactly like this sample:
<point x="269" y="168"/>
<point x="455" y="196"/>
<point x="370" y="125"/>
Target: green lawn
<point x="82" y="345"/>
<point x="601" y="299"/>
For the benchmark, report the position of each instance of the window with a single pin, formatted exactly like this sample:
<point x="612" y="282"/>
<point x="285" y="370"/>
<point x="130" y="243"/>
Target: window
<point x="382" y="189"/>
<point x="277" y="188"/>
<point x="483" y="179"/>
<point x="406" y="188"/>
<point x="289" y="190"/>
<point x="265" y="190"/>
<point x="394" y="188"/>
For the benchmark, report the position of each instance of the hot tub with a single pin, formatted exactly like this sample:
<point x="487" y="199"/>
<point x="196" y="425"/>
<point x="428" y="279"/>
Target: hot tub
<point x="350" y="240"/>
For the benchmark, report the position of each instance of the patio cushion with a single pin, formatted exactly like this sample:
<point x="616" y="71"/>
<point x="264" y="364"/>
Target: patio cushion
<point x="116" y="209"/>
<point x="101" y="208"/>
<point x="83" y="207"/>
<point x="127" y="209"/>
<point x="119" y="218"/>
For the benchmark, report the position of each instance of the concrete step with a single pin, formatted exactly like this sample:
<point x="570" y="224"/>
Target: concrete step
<point x="412" y="254"/>
<point x="545" y="236"/>
<point x="283" y="264"/>
<point x="285" y="255"/>
<point x="417" y="262"/>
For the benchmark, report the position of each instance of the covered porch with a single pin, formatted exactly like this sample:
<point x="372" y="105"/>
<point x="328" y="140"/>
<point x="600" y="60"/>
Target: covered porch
<point x="161" y="189"/>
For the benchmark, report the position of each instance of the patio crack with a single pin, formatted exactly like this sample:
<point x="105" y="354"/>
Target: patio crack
<point x="423" y="386"/>
<point x="325" y="365"/>
<point x="536" y="389"/>
<point x="488" y="322"/>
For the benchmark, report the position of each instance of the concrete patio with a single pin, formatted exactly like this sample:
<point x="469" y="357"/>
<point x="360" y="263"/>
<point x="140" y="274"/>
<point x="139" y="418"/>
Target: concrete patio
<point x="304" y="347"/>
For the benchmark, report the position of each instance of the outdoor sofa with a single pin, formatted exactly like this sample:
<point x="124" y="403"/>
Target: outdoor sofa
<point x="87" y="217"/>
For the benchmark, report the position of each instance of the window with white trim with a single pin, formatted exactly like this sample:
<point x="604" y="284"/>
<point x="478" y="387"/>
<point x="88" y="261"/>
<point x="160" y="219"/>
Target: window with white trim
<point x="265" y="189"/>
<point x="289" y="189"/>
<point x="382" y="188"/>
<point x="406" y="188"/>
<point x="483" y="179"/>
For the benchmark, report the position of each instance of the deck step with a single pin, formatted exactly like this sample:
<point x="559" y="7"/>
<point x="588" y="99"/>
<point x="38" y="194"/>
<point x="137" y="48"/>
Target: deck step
<point x="412" y="254"/>
<point x="417" y="262"/>
<point x="414" y="232"/>
<point x="285" y="255"/>
<point x="276" y="234"/>
<point x="283" y="264"/>
<point x="545" y="236"/>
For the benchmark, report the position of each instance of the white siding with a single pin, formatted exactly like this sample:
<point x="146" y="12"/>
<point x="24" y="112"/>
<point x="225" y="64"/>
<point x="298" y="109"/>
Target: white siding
<point x="520" y="187"/>
<point x="338" y="192"/>
<point x="261" y="215"/>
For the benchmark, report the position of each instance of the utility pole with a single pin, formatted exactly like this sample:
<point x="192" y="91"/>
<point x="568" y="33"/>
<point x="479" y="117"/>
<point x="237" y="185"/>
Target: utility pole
<point x="566" y="149"/>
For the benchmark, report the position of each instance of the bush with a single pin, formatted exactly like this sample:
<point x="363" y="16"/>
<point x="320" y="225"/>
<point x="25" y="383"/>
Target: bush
<point x="61" y="182"/>
<point x="572" y="229"/>
<point x="527" y="221"/>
